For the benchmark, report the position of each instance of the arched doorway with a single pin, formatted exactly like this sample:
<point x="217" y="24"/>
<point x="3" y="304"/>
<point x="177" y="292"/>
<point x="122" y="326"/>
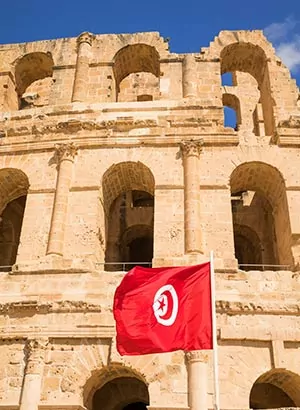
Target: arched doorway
<point x="13" y="191"/>
<point x="128" y="198"/>
<point x="137" y="73"/>
<point x="261" y="224"/>
<point x="247" y="246"/>
<point x="248" y="65"/>
<point x="137" y="245"/>
<point x="116" y="387"/>
<point x="122" y="393"/>
<point x="33" y="76"/>
<point x="277" y="388"/>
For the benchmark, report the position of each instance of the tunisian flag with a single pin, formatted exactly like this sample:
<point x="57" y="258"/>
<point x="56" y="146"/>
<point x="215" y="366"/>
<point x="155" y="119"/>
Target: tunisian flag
<point x="164" y="309"/>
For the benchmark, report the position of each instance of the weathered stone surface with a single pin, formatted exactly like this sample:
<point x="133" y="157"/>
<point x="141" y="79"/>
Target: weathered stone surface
<point x="114" y="151"/>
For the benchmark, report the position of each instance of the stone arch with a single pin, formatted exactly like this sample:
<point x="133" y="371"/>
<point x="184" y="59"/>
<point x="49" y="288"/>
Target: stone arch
<point x="33" y="73"/>
<point x="14" y="183"/>
<point x="14" y="186"/>
<point x="248" y="248"/>
<point x="233" y="102"/>
<point x="259" y="198"/>
<point x="123" y="177"/>
<point x="119" y="184"/>
<point x="274" y="389"/>
<point x="139" y="65"/>
<point x="115" y="386"/>
<point x="137" y="245"/>
<point x="251" y="58"/>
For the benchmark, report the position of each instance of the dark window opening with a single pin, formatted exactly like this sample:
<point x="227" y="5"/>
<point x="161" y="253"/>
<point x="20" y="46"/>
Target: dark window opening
<point x="10" y="231"/>
<point x="145" y="97"/>
<point x="142" y="199"/>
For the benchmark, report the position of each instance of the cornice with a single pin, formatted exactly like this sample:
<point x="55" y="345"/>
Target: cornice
<point x="262" y="308"/>
<point x="222" y="306"/>
<point x="29" y="307"/>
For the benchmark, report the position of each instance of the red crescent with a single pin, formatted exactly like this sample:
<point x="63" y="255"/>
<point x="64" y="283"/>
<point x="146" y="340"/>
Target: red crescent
<point x="169" y="297"/>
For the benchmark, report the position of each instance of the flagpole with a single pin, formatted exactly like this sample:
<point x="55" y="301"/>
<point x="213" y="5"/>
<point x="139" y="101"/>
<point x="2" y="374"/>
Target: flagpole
<point x="214" y="333"/>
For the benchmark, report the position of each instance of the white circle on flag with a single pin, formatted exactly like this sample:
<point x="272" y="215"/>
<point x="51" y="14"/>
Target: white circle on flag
<point x="165" y="305"/>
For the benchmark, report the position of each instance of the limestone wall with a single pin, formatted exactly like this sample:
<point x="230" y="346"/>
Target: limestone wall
<point x="109" y="140"/>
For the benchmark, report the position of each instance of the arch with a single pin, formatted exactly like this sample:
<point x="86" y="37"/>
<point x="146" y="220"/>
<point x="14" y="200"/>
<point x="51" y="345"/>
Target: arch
<point x="246" y="57"/>
<point x="14" y="185"/>
<point x="247" y="246"/>
<point x="126" y="176"/>
<point x="31" y="68"/>
<point x="137" y="245"/>
<point x="251" y="58"/>
<point x="128" y="199"/>
<point x="266" y="208"/>
<point x="232" y="101"/>
<point x="274" y="389"/>
<point x="103" y="381"/>
<point x="136" y="58"/>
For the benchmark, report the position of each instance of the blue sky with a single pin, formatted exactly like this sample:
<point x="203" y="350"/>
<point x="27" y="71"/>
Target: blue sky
<point x="190" y="24"/>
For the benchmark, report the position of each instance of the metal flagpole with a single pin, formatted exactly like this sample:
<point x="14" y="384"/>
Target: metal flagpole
<point x="214" y="333"/>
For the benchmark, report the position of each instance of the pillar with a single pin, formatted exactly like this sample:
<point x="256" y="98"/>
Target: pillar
<point x="65" y="154"/>
<point x="84" y="45"/>
<point x="189" y="83"/>
<point x="31" y="390"/>
<point x="190" y="155"/>
<point x="197" y="379"/>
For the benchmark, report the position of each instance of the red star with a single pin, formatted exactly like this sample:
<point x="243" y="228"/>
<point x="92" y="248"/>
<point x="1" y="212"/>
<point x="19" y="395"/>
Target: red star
<point x="161" y="304"/>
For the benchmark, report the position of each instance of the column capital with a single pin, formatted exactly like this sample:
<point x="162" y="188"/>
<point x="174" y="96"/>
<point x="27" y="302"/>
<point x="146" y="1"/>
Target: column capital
<point x="191" y="147"/>
<point x="85" y="37"/>
<point x="197" y="356"/>
<point x="35" y="351"/>
<point x="65" y="151"/>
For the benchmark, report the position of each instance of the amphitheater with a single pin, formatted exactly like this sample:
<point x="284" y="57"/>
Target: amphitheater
<point x="114" y="152"/>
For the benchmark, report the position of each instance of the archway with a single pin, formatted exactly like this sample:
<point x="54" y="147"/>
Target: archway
<point x="13" y="190"/>
<point x="247" y="246"/>
<point x="259" y="205"/>
<point x="276" y="388"/>
<point x="137" y="245"/>
<point x="242" y="57"/>
<point x="116" y="387"/>
<point x="33" y="74"/>
<point x="136" y="72"/>
<point x="122" y="393"/>
<point x="128" y="199"/>
<point x="234" y="119"/>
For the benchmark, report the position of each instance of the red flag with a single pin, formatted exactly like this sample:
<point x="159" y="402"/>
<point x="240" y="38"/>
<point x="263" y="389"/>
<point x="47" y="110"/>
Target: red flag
<point x="164" y="309"/>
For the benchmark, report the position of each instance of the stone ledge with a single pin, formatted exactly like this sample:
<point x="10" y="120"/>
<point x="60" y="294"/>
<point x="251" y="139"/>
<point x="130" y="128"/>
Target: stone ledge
<point x="33" y="306"/>
<point x="53" y="264"/>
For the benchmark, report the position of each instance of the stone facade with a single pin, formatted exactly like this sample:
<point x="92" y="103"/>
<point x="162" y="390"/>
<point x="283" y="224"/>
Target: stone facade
<point x="113" y="151"/>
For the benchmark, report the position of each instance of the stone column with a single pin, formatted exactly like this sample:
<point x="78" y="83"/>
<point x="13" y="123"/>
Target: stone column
<point x="197" y="379"/>
<point x="190" y="154"/>
<point x="65" y="154"/>
<point x="189" y="82"/>
<point x="33" y="375"/>
<point x="84" y="45"/>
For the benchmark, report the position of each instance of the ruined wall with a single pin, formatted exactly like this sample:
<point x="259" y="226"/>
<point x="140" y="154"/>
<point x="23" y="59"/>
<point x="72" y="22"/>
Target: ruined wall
<point x="108" y="140"/>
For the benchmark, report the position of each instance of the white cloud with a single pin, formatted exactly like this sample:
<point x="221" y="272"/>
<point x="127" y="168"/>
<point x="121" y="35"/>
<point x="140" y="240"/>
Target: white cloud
<point x="278" y="31"/>
<point x="289" y="52"/>
<point x="286" y="42"/>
